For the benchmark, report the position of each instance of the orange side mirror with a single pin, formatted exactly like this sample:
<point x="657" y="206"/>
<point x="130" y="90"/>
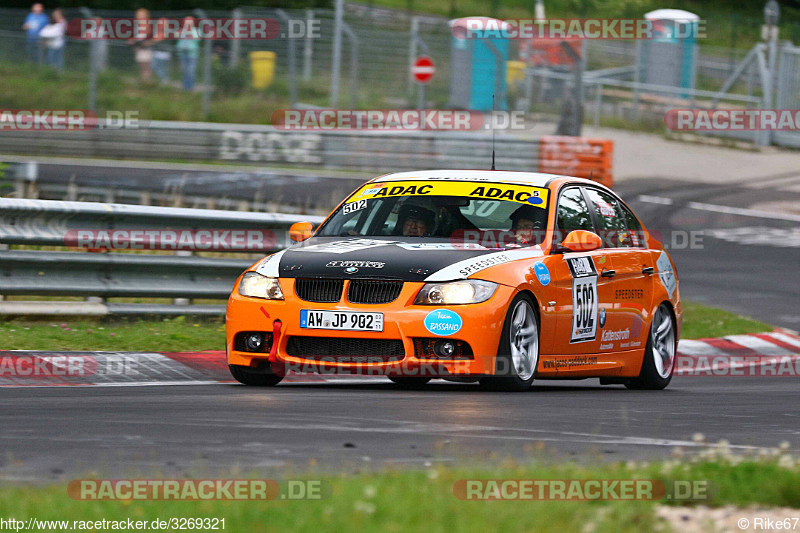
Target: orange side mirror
<point x="582" y="241"/>
<point x="300" y="231"/>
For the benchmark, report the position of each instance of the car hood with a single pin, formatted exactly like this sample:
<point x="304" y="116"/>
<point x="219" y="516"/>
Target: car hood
<point x="387" y="258"/>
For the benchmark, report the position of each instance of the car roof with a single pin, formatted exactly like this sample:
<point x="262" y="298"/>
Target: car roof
<point x="537" y="179"/>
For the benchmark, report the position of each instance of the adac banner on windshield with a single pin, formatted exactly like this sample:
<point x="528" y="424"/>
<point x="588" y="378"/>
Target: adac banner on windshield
<point x="522" y="194"/>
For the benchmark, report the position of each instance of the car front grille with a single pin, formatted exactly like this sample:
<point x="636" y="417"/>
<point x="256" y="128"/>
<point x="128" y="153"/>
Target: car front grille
<point x="346" y="350"/>
<point x="319" y="290"/>
<point x="372" y="291"/>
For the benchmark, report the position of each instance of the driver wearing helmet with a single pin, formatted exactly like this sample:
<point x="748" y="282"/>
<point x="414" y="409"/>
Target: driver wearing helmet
<point x="525" y="221"/>
<point x="416" y="221"/>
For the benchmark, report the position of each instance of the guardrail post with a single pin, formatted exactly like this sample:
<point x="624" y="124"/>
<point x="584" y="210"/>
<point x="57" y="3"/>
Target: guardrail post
<point x="183" y="301"/>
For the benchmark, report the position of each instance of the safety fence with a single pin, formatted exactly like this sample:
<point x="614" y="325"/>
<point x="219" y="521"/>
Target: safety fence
<point x="362" y="60"/>
<point x="100" y="275"/>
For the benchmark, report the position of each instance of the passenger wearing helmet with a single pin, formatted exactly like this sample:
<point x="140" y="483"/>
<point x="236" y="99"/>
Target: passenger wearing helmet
<point x="524" y="223"/>
<point x="415" y="221"/>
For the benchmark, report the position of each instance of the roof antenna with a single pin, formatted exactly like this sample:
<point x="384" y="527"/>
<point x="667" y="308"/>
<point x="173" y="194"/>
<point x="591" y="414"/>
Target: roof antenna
<point x="590" y="174"/>
<point x="492" y="115"/>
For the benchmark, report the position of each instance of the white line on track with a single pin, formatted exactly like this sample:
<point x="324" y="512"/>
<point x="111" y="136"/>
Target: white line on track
<point x="655" y="199"/>
<point x="728" y="210"/>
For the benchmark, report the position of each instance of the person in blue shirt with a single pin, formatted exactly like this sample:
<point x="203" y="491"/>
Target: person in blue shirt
<point x="188" y="51"/>
<point x="34" y="22"/>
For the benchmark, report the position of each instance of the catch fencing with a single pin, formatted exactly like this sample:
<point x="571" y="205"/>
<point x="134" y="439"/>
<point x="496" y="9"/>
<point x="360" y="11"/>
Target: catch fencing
<point x="369" y="68"/>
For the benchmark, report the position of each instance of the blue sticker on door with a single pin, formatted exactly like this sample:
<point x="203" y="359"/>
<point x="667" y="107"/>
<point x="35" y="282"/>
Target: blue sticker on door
<point x="542" y="273"/>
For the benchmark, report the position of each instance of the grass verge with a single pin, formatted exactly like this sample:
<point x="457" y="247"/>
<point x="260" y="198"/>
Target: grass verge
<point x="701" y="321"/>
<point x="179" y="334"/>
<point x="194" y="334"/>
<point x="416" y="500"/>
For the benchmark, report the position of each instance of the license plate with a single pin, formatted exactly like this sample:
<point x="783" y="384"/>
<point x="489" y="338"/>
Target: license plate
<point x="341" y="320"/>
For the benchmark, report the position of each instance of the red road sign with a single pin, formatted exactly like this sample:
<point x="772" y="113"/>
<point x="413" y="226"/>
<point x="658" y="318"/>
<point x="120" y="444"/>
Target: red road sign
<point x="423" y="69"/>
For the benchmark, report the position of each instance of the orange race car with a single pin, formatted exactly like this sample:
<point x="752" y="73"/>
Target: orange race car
<point x="495" y="276"/>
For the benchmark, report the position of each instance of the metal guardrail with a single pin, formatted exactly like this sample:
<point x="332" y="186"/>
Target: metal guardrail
<point x="46" y="222"/>
<point x="113" y="275"/>
<point x="376" y="151"/>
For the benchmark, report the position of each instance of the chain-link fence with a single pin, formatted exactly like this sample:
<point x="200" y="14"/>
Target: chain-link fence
<point x="371" y="70"/>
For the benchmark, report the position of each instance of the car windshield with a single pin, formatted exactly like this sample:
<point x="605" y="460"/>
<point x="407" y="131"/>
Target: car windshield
<point x="475" y="212"/>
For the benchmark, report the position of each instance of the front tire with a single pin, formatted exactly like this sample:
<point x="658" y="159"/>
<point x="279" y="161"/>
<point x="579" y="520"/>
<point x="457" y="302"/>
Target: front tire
<point x="247" y="376"/>
<point x="518" y="353"/>
<point x="659" y="353"/>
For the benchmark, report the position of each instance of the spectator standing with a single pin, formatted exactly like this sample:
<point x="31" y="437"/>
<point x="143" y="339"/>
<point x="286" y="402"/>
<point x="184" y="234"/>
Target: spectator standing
<point x="52" y="36"/>
<point x="142" y="42"/>
<point x="162" y="53"/>
<point x="34" y="22"/>
<point x="188" y="51"/>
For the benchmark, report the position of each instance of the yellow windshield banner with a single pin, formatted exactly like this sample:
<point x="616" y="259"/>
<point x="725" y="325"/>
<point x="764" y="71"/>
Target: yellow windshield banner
<point x="522" y="194"/>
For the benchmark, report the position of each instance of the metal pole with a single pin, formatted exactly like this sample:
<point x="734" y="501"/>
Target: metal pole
<point x="93" y="64"/>
<point x="419" y="43"/>
<point x="580" y="65"/>
<point x="199" y="13"/>
<point x="353" y="64"/>
<point x="308" y="50"/>
<point x="412" y="50"/>
<point x="572" y="120"/>
<point x="233" y="58"/>
<point x="766" y="85"/>
<point x="769" y="95"/>
<point x="337" y="52"/>
<point x="637" y="75"/>
<point x="292" y="59"/>
<point x="598" y="101"/>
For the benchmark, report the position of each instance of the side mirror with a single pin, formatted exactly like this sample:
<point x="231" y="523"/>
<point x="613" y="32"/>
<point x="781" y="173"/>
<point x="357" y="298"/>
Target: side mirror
<point x="300" y="231"/>
<point x="582" y="241"/>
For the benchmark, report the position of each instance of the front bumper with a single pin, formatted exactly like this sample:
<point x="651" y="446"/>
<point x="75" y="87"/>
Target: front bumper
<point x="482" y="325"/>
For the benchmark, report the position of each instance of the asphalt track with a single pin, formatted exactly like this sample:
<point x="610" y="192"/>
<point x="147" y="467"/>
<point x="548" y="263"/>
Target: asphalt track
<point x="50" y="433"/>
<point x="53" y="433"/>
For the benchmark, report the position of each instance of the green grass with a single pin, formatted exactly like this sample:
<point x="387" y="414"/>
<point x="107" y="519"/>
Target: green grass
<point x="423" y="499"/>
<point x="701" y="321"/>
<point x="180" y="334"/>
<point x="192" y="334"/>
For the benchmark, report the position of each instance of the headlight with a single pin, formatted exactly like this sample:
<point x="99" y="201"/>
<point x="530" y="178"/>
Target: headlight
<point x="471" y="291"/>
<point x="257" y="286"/>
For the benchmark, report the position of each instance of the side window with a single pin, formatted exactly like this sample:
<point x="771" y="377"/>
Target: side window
<point x="611" y="223"/>
<point x="634" y="228"/>
<point x="573" y="213"/>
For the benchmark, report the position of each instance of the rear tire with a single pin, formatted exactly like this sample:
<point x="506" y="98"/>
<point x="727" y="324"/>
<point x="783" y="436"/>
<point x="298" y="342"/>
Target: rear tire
<point x="659" y="353"/>
<point x="248" y="376"/>
<point x="409" y="383"/>
<point x="518" y="353"/>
